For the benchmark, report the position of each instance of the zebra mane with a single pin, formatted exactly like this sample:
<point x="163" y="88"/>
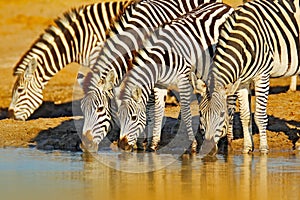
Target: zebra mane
<point x="114" y="22"/>
<point x="60" y="24"/>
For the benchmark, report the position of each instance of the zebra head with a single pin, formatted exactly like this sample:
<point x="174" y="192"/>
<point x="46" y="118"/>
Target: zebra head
<point x="132" y="116"/>
<point x="98" y="107"/>
<point x="213" y="114"/>
<point x="213" y="118"/>
<point x="27" y="94"/>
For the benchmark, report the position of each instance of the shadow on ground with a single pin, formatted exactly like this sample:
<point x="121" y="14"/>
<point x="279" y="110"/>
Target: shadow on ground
<point x="66" y="135"/>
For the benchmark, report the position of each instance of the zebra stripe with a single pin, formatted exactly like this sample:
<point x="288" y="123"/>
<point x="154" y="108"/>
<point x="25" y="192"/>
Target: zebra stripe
<point x="259" y="41"/>
<point x="72" y="39"/>
<point x="126" y="37"/>
<point x="167" y="58"/>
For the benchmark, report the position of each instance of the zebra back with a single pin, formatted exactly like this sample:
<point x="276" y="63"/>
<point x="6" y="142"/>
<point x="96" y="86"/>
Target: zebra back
<point x="254" y="30"/>
<point x="132" y="28"/>
<point x="189" y="36"/>
<point x="72" y="37"/>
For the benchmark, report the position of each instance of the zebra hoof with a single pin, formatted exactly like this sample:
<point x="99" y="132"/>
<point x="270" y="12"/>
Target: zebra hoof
<point x="150" y="149"/>
<point x="247" y="150"/>
<point x="192" y="148"/>
<point x="264" y="150"/>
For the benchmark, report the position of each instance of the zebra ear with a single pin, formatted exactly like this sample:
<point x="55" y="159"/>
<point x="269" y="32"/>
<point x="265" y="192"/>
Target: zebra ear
<point x="136" y="94"/>
<point x="80" y="79"/>
<point x="31" y="67"/>
<point x="109" y="81"/>
<point x="83" y="77"/>
<point x="198" y="85"/>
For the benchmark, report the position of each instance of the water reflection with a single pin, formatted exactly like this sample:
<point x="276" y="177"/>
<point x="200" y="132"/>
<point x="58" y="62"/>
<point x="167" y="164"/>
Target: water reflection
<point x="62" y="175"/>
<point x="135" y="162"/>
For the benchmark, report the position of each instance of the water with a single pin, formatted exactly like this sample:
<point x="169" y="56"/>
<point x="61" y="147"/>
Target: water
<point x="33" y="174"/>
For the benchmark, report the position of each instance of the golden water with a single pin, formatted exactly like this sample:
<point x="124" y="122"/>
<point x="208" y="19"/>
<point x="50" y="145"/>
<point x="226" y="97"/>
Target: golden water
<point x="32" y="174"/>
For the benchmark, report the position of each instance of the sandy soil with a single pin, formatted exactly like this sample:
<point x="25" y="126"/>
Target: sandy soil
<point x="52" y="126"/>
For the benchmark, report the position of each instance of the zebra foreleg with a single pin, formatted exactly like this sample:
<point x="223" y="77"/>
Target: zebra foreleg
<point x="150" y="109"/>
<point x="231" y="102"/>
<point x="185" y="92"/>
<point x="159" y="110"/>
<point x="261" y="119"/>
<point x="245" y="114"/>
<point x="115" y="125"/>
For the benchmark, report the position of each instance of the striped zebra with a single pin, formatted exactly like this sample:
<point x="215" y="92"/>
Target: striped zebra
<point x="126" y="37"/>
<point x="260" y="40"/>
<point x="72" y="39"/>
<point x="168" y="57"/>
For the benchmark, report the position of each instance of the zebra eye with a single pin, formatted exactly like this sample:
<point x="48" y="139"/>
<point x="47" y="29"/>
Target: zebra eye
<point x="222" y="114"/>
<point x="100" y="109"/>
<point x="20" y="89"/>
<point x="133" y="118"/>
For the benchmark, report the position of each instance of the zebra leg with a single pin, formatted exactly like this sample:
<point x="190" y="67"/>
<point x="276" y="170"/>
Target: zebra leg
<point x="115" y="125"/>
<point x="185" y="92"/>
<point x="231" y="105"/>
<point x="261" y="119"/>
<point x="159" y="110"/>
<point x="150" y="109"/>
<point x="245" y="114"/>
<point x="293" y="84"/>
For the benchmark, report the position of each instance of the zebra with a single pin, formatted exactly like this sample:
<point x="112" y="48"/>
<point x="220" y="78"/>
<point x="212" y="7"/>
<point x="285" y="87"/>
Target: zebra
<point x="260" y="40"/>
<point x="167" y="58"/>
<point x="72" y="39"/>
<point x="126" y="37"/>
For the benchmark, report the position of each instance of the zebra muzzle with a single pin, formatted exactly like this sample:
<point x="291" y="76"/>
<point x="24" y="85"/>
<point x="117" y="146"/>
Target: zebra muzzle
<point x="208" y="148"/>
<point x="87" y="144"/>
<point x="12" y="115"/>
<point x="123" y="144"/>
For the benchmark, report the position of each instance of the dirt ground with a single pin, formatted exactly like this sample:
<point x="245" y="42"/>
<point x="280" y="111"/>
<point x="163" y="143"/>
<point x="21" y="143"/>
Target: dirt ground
<point x="52" y="125"/>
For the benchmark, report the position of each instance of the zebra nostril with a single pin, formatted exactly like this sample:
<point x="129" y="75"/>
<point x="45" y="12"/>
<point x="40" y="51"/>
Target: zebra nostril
<point x="11" y="113"/>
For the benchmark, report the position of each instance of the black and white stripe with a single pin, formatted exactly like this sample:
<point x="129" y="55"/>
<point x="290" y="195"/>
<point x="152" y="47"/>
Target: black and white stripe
<point x="72" y="39"/>
<point x="259" y="41"/>
<point x="169" y="56"/>
<point x="126" y="37"/>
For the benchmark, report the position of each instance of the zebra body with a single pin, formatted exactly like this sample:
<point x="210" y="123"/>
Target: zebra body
<point x="126" y="37"/>
<point x="260" y="40"/>
<point x="169" y="56"/>
<point x="72" y="39"/>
